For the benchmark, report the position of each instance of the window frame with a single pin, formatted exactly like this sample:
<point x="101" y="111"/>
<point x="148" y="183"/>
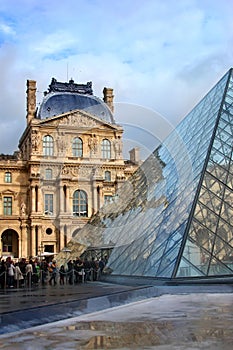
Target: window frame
<point x="107" y="176"/>
<point x="48" y="174"/>
<point x="7" y="205"/>
<point x="80" y="203"/>
<point x="48" y="145"/>
<point x="108" y="198"/>
<point x="77" y="147"/>
<point x="48" y="204"/>
<point x="106" y="149"/>
<point x="8" y="177"/>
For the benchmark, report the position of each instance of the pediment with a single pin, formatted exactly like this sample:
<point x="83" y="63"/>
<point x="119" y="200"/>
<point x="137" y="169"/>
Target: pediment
<point x="8" y="192"/>
<point x="79" y="119"/>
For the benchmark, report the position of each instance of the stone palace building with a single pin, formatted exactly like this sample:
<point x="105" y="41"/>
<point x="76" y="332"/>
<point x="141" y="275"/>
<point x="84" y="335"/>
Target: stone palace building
<point x="69" y="163"/>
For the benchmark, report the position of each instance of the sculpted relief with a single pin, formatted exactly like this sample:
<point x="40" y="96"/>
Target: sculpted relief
<point x="93" y="141"/>
<point x="35" y="140"/>
<point x="70" y="170"/>
<point x="61" y="143"/>
<point x="117" y="144"/>
<point x="80" y="120"/>
<point x="81" y="171"/>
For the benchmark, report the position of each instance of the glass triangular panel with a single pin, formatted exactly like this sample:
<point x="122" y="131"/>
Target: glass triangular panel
<point x="170" y="226"/>
<point x="218" y="268"/>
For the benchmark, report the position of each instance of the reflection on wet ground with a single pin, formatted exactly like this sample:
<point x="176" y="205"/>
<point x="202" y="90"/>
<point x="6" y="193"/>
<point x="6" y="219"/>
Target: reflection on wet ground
<point x="188" y="321"/>
<point x="19" y="299"/>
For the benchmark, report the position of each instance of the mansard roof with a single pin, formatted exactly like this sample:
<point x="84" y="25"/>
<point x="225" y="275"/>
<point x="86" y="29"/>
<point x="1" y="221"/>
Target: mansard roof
<point x="65" y="97"/>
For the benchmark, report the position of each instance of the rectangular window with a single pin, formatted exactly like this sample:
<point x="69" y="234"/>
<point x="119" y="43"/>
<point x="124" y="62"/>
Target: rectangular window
<point x="48" y="204"/>
<point x="48" y="174"/>
<point x="7" y="205"/>
<point x="8" y="178"/>
<point x="108" y="199"/>
<point x="49" y="248"/>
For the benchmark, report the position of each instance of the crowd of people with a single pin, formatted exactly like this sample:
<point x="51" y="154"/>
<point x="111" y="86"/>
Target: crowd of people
<point x="33" y="272"/>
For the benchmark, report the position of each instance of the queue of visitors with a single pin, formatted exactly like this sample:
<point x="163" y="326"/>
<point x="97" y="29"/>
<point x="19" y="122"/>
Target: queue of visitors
<point x="33" y="272"/>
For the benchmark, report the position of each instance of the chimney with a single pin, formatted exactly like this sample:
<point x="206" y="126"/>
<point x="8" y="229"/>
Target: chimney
<point x="31" y="100"/>
<point x="108" y="98"/>
<point x="134" y="155"/>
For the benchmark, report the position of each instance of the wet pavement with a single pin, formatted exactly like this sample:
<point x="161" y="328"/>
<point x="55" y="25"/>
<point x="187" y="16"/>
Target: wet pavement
<point x="24" y="298"/>
<point x="26" y="307"/>
<point x="184" y="321"/>
<point x="100" y="315"/>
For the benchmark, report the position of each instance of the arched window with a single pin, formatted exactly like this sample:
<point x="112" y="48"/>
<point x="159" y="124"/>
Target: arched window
<point x="80" y="203"/>
<point x="48" y="145"/>
<point x="77" y="147"/>
<point x="8" y="177"/>
<point x="48" y="174"/>
<point x="107" y="175"/>
<point x="106" y="149"/>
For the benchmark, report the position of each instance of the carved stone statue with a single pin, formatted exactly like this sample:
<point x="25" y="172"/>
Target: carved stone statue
<point x="93" y="143"/>
<point x="35" y="141"/>
<point x="23" y="208"/>
<point x="118" y="147"/>
<point x="61" y="143"/>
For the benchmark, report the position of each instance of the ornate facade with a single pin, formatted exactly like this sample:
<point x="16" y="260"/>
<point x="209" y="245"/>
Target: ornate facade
<point x="69" y="164"/>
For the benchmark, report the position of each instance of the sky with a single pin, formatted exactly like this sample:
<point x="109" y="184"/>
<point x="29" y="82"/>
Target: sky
<point x="160" y="57"/>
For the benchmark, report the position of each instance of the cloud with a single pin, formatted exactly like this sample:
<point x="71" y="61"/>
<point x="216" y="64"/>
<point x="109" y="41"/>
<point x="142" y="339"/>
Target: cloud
<point x="56" y="45"/>
<point x="6" y="29"/>
<point x="161" y="56"/>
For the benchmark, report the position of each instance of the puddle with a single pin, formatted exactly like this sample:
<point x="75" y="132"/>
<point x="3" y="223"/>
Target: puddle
<point x="146" y="334"/>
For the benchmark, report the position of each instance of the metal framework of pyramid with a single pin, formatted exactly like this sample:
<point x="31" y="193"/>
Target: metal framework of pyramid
<point x="174" y="217"/>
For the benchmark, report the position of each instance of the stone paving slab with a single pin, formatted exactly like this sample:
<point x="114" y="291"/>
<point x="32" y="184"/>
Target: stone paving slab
<point x="178" y="322"/>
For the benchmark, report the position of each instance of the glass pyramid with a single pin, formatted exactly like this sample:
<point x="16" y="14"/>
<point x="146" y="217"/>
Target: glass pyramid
<point x="174" y="217"/>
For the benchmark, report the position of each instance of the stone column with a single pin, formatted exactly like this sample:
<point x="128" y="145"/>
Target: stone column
<point x="94" y="204"/>
<point x="39" y="238"/>
<point x="33" y="198"/>
<point x="61" y="199"/>
<point x="67" y="199"/>
<point x="62" y="237"/>
<point x="33" y="240"/>
<point x="100" y="197"/>
<point x="40" y="200"/>
<point x="24" y="250"/>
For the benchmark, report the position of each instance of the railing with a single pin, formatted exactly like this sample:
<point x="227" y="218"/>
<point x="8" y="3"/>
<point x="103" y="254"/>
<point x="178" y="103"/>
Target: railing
<point x="35" y="279"/>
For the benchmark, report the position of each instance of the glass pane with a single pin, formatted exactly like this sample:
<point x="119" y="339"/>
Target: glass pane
<point x="175" y="212"/>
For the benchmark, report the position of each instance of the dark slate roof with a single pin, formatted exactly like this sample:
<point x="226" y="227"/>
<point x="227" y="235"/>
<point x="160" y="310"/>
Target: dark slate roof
<point x="66" y="97"/>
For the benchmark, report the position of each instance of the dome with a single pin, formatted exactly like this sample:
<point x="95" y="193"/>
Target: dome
<point x="66" y="97"/>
